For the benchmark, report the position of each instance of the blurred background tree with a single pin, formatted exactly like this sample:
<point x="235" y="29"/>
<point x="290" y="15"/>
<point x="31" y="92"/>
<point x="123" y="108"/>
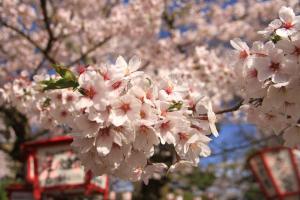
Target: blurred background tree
<point x="164" y="34"/>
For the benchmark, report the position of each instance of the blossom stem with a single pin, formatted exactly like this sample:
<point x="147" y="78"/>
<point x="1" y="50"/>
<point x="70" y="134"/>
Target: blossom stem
<point x="227" y="110"/>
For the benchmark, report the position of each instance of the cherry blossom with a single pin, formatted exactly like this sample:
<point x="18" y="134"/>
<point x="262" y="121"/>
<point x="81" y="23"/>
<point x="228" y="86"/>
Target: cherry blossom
<point x="270" y="78"/>
<point x="118" y="132"/>
<point x="119" y="116"/>
<point x="290" y="22"/>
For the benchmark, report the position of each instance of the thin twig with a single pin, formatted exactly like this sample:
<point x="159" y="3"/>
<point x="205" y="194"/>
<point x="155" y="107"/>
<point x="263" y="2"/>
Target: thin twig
<point x="95" y="47"/>
<point x="28" y="38"/>
<point x="232" y="109"/>
<point x="144" y="66"/>
<point x="108" y="8"/>
<point x="51" y="37"/>
<point x="47" y="23"/>
<point x="244" y="146"/>
<point x="227" y="110"/>
<point x="37" y="68"/>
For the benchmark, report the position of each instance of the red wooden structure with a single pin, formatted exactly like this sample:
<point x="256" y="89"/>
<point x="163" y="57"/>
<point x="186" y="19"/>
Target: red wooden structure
<point x="277" y="171"/>
<point x="52" y="169"/>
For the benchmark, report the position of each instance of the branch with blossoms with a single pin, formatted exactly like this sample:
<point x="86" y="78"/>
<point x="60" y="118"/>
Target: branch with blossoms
<point x="28" y="38"/>
<point x="90" y="50"/>
<point x="269" y="73"/>
<point x="119" y="116"/>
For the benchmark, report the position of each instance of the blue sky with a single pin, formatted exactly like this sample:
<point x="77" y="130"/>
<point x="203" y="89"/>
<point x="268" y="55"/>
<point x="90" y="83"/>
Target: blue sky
<point x="230" y="136"/>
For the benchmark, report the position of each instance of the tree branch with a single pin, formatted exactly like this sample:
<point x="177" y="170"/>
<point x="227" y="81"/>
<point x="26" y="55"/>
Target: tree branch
<point x="19" y="123"/>
<point x="51" y="37"/>
<point x="244" y="146"/>
<point x="28" y="38"/>
<point x="144" y="66"/>
<point x="232" y="109"/>
<point x="108" y="8"/>
<point x="227" y="110"/>
<point x="47" y="23"/>
<point x="95" y="47"/>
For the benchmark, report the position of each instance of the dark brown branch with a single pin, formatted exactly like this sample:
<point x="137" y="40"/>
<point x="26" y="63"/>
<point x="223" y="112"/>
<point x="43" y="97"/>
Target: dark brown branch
<point x="227" y="110"/>
<point x="144" y="66"/>
<point x="19" y="123"/>
<point x="95" y="47"/>
<point x="28" y="38"/>
<point x="51" y="38"/>
<point x="108" y="8"/>
<point x="47" y="23"/>
<point x="251" y="143"/>
<point x="232" y="109"/>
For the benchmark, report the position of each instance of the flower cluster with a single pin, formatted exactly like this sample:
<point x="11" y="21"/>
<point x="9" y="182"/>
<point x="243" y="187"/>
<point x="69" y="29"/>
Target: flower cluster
<point x="270" y="79"/>
<point x="119" y="116"/>
<point x="214" y="77"/>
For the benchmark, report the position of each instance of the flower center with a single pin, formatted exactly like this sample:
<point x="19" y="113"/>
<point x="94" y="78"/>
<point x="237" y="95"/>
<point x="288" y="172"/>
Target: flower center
<point x="243" y="54"/>
<point x="149" y="95"/>
<point x="165" y="125"/>
<point x="116" y="85"/>
<point x="297" y="51"/>
<point x="70" y="98"/>
<point x="63" y="113"/>
<point x="80" y="69"/>
<point x="143" y="129"/>
<point x="59" y="96"/>
<point x="143" y="114"/>
<point x="274" y="67"/>
<point x="104" y="132"/>
<point x="125" y="107"/>
<point x="183" y="136"/>
<point x="288" y="25"/>
<point x="90" y="92"/>
<point x="163" y="113"/>
<point x="169" y="90"/>
<point x="105" y="76"/>
<point x="252" y="73"/>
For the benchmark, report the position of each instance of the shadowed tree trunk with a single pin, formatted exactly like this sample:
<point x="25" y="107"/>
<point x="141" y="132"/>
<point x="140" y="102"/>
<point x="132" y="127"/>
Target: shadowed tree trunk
<point x="19" y="124"/>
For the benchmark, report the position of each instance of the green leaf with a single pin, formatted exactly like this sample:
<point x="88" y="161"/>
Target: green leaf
<point x="67" y="80"/>
<point x="64" y="72"/>
<point x="176" y="105"/>
<point x="275" y="38"/>
<point x="60" y="84"/>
